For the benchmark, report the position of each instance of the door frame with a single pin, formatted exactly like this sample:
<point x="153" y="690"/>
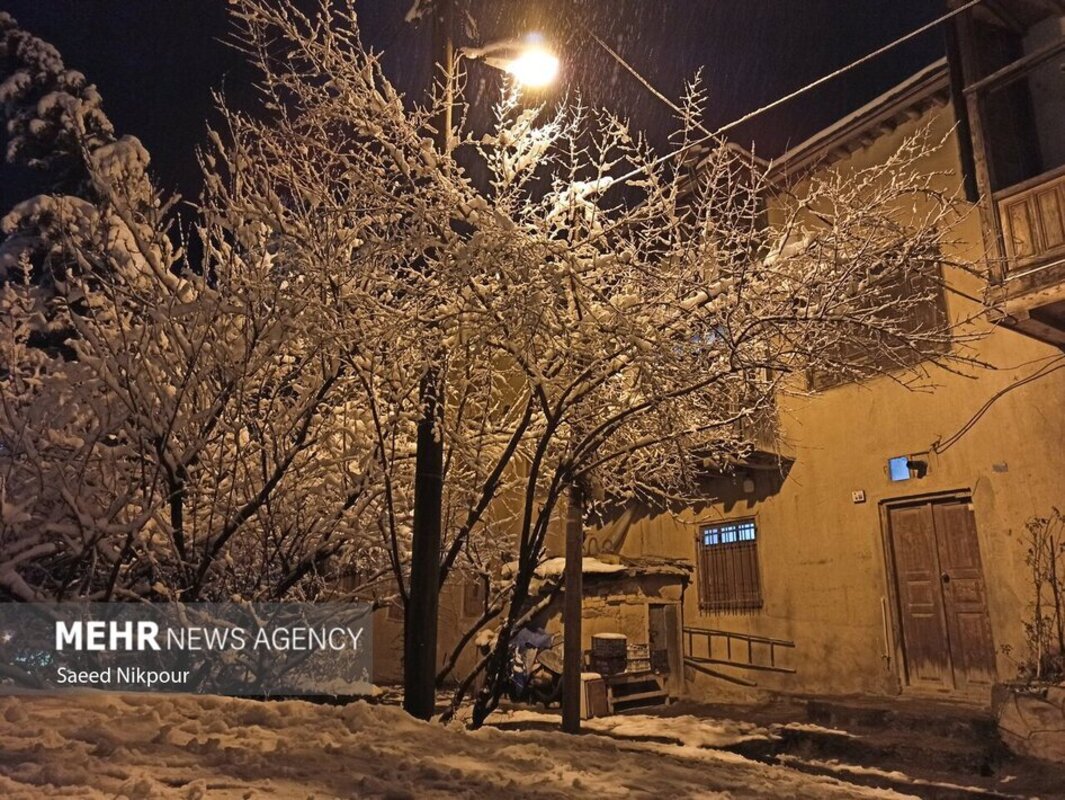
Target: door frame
<point x="898" y="651"/>
<point x="676" y="681"/>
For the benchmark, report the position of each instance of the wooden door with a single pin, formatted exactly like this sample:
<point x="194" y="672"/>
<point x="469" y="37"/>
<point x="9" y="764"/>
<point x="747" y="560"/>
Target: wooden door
<point x="673" y="626"/>
<point x="664" y="637"/>
<point x="658" y="637"/>
<point x="964" y="597"/>
<point x="942" y="600"/>
<point x="924" y="627"/>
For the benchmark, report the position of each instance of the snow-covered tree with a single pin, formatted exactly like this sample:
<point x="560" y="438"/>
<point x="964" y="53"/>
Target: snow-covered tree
<point x="598" y="317"/>
<point x="187" y="429"/>
<point x="605" y="326"/>
<point x="653" y="337"/>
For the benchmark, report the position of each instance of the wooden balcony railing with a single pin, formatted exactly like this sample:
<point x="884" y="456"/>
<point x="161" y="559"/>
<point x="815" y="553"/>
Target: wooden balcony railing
<point x="1029" y="287"/>
<point x="1032" y="215"/>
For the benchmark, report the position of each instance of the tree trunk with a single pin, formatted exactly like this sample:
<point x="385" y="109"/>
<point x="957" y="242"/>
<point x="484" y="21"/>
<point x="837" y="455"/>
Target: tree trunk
<point x="572" y="652"/>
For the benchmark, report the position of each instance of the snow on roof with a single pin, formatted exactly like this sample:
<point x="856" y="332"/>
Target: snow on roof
<point x="619" y="566"/>
<point x="879" y="115"/>
<point x="623" y="567"/>
<point x="589" y="566"/>
<point x="884" y="110"/>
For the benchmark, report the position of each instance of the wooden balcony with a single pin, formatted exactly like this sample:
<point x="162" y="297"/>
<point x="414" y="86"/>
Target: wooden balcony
<point x="1029" y="289"/>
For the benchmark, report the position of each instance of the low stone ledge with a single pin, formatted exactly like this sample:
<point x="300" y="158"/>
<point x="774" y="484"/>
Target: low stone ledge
<point x="1031" y="720"/>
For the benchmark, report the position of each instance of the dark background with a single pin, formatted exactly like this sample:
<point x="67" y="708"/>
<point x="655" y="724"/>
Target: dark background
<point x="157" y="61"/>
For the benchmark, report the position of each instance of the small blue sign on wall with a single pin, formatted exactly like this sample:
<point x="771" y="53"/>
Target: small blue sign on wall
<point x="899" y="468"/>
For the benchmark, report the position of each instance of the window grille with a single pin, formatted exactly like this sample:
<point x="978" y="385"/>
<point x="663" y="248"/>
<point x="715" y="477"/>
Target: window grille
<point x="728" y="567"/>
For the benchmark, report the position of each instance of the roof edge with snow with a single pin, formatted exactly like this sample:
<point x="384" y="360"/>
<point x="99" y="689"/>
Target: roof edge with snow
<point x="922" y="91"/>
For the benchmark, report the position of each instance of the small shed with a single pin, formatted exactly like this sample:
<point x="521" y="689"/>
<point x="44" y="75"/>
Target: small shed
<point x="640" y="598"/>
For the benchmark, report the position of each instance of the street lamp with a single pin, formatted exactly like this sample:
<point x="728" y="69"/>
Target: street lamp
<point x="527" y="60"/>
<point x="535" y="67"/>
<point x="532" y="65"/>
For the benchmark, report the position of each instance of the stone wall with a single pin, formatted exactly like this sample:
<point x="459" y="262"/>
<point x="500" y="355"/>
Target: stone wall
<point x="1031" y="722"/>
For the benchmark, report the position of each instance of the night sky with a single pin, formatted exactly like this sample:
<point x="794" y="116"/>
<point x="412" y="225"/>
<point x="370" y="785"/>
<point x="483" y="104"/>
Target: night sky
<point x="156" y="61"/>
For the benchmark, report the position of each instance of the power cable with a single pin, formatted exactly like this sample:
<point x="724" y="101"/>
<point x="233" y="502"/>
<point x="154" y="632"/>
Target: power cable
<point x="781" y="100"/>
<point x="941" y="446"/>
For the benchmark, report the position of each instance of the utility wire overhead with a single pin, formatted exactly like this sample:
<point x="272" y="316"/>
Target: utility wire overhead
<point x="779" y="101"/>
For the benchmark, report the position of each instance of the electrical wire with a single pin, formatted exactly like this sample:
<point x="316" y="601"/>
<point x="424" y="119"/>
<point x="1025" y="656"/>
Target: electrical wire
<point x="941" y="446"/>
<point x="868" y="57"/>
<point x="781" y="100"/>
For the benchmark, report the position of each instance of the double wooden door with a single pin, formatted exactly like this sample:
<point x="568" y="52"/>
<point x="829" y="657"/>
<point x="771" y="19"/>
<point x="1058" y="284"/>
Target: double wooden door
<point x="942" y="597"/>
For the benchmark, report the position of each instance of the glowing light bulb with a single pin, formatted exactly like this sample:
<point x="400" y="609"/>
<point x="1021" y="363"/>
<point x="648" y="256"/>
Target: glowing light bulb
<point x="535" y="67"/>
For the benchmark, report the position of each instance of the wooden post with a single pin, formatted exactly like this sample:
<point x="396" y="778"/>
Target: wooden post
<point x="420" y="619"/>
<point x="572" y="652"/>
<point x="961" y="41"/>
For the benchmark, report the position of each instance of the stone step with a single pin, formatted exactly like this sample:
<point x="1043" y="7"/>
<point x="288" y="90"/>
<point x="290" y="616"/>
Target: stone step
<point x="937" y="742"/>
<point x="959" y="723"/>
<point x="640" y="700"/>
<point x="902" y="783"/>
<point x="903" y="748"/>
<point x="912" y="762"/>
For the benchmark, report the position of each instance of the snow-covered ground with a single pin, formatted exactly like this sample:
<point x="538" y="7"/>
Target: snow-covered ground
<point x="212" y="748"/>
<point x="686" y="729"/>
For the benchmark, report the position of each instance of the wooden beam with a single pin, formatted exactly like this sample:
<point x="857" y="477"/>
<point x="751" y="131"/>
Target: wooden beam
<point x="1007" y="17"/>
<point x="974" y="114"/>
<point x="1017" y="69"/>
<point x="1039" y="330"/>
<point x="573" y="598"/>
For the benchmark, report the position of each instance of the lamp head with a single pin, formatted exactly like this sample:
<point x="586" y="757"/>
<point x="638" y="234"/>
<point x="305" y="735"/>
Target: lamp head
<point x="534" y="67"/>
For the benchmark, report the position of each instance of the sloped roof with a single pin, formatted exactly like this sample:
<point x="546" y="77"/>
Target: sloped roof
<point x="636" y="567"/>
<point x="924" y="90"/>
<point x="612" y="567"/>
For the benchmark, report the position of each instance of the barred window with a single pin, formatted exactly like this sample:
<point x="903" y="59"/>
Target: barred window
<point x="728" y="567"/>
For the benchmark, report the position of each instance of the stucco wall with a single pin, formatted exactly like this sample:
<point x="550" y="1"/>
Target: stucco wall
<point x="823" y="569"/>
<point x="452" y="623"/>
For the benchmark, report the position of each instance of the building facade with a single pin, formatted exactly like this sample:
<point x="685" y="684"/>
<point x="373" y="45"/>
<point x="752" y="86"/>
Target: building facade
<point x="887" y="552"/>
<point x="884" y="550"/>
